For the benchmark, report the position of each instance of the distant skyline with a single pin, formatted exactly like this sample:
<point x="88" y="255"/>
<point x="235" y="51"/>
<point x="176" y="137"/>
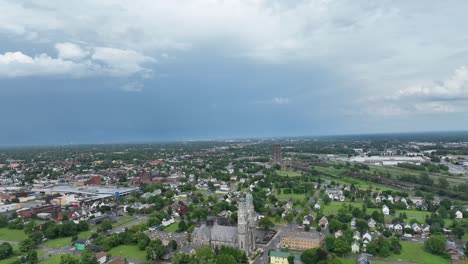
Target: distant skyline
<point x="143" y="71"/>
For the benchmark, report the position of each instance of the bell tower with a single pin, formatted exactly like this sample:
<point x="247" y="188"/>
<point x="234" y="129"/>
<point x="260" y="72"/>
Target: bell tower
<point x="242" y="226"/>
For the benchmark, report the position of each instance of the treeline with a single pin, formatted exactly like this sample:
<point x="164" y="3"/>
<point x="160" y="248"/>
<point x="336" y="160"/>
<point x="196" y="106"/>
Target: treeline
<point x="220" y="255"/>
<point x="425" y="166"/>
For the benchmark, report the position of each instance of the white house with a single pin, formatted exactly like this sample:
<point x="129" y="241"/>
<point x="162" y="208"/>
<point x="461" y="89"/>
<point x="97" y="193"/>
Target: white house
<point x="371" y="223"/>
<point x="458" y="214"/>
<point x="317" y="206"/>
<point x="378" y="199"/>
<point x="407" y="226"/>
<point x="390" y="198"/>
<point x="367" y="237"/>
<point x="398" y="228"/>
<point x="168" y="221"/>
<point x="385" y="210"/>
<point x="353" y="223"/>
<point x="355" y="247"/>
<point x="338" y="233"/>
<point x="101" y="257"/>
<point x="357" y="235"/>
<point x="416" y="228"/>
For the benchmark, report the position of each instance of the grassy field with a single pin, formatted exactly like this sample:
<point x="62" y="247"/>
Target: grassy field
<point x="414" y="214"/>
<point x="9" y="260"/>
<point x="172" y="227"/>
<point x="123" y="220"/>
<point x="286" y="197"/>
<point x="12" y="235"/>
<point x="334" y="206"/>
<point x="65" y="241"/>
<point x="289" y="173"/>
<point x="55" y="259"/>
<point x="342" y="179"/>
<point x="414" y="252"/>
<point x="127" y="251"/>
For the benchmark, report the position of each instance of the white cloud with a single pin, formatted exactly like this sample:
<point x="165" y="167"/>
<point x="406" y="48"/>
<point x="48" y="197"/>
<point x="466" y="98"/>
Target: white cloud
<point x="17" y="64"/>
<point x="121" y="61"/>
<point x="380" y="46"/>
<point x="70" y="51"/>
<point x="70" y="62"/>
<point x="456" y="87"/>
<point x="449" y="96"/>
<point x="276" y="100"/>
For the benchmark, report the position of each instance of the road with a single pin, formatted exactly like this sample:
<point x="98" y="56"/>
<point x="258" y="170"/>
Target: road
<point x="139" y="219"/>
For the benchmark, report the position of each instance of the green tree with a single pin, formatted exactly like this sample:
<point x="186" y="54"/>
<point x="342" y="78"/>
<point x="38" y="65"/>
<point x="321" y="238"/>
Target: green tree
<point x="27" y="245"/>
<point x="342" y="246"/>
<point x="155" y="250"/>
<point x="182" y="226"/>
<point x="290" y="259"/>
<point x="205" y="255"/>
<point x="314" y="256"/>
<point x="182" y="258"/>
<point x="6" y="250"/>
<point x="265" y="223"/>
<point x="88" y="257"/>
<point x="106" y="225"/>
<point x="225" y="259"/>
<point x="32" y="257"/>
<point x="330" y="242"/>
<point x="436" y="244"/>
<point x="172" y="245"/>
<point x="69" y="259"/>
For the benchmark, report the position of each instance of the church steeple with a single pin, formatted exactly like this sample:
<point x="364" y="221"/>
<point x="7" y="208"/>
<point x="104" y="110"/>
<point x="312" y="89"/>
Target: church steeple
<point x="246" y="224"/>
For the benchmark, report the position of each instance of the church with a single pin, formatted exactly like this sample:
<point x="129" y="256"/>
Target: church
<point x="241" y="236"/>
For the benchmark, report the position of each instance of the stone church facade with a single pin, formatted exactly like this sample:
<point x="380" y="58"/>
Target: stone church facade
<point x="241" y="236"/>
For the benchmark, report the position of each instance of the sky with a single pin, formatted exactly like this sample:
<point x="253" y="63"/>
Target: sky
<point x="106" y="71"/>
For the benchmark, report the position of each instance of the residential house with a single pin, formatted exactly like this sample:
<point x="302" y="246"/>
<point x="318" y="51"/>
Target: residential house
<point x="378" y="199"/>
<point x="317" y="206"/>
<point x="416" y="228"/>
<point x="323" y="222"/>
<point x="81" y="243"/>
<point x="367" y="237"/>
<point x="390" y="198"/>
<point x="398" y="228"/>
<point x="101" y="257"/>
<point x="338" y="233"/>
<point x="167" y="222"/>
<point x="371" y="223"/>
<point x="357" y="235"/>
<point x="308" y="219"/>
<point x="353" y="223"/>
<point x="385" y="210"/>
<point x="355" y="246"/>
<point x="458" y="214"/>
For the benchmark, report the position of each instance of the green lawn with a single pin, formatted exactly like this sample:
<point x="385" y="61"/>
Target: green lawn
<point x="123" y="220"/>
<point x="172" y="227"/>
<point x="289" y="173"/>
<point x="55" y="259"/>
<point x="66" y="241"/>
<point x="286" y="197"/>
<point x="414" y="252"/>
<point x="414" y="214"/>
<point x="12" y="235"/>
<point x="10" y="260"/>
<point x="127" y="251"/>
<point x="348" y="260"/>
<point x="334" y="206"/>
